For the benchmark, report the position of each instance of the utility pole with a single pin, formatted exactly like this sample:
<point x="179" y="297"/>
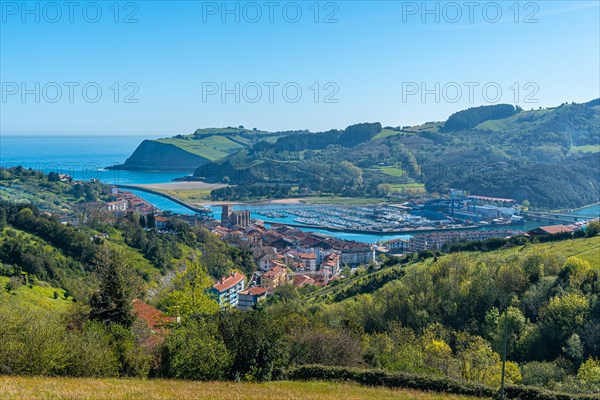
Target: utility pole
<point x="504" y="353"/>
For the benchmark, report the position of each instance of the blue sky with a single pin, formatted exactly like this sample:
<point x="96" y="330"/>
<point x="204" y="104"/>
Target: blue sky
<point x="174" y="58"/>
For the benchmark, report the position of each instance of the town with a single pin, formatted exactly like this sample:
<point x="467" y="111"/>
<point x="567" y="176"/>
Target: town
<point x="287" y="255"/>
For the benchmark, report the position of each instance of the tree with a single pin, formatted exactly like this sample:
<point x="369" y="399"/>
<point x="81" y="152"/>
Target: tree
<point x="286" y="293"/>
<point x="592" y="229"/>
<point x="150" y="221"/>
<point x="257" y="343"/>
<point x="476" y="359"/>
<point x="2" y="217"/>
<point x="53" y="177"/>
<point x="189" y="295"/>
<point x="437" y="355"/>
<point x="589" y="373"/>
<point x="195" y="350"/>
<point x="90" y="352"/>
<point x="563" y="316"/>
<point x="578" y="271"/>
<point x="384" y="189"/>
<point x="574" y="348"/>
<point x="494" y="326"/>
<point x="112" y="302"/>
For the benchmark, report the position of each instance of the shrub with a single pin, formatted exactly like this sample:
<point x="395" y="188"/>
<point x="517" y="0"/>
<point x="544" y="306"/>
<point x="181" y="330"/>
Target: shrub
<point x="424" y="383"/>
<point x="195" y="351"/>
<point x="90" y="352"/>
<point x="542" y="373"/>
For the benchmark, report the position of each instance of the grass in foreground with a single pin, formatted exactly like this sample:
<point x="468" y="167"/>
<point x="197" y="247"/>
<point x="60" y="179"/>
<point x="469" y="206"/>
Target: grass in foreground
<point x="38" y="388"/>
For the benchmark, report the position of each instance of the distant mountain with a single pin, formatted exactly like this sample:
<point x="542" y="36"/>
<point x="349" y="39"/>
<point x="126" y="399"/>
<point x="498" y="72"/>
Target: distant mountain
<point x="547" y="156"/>
<point x="550" y="157"/>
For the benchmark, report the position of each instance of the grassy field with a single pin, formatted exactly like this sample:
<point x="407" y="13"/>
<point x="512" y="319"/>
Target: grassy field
<point x="40" y="295"/>
<point x="39" y="388"/>
<point x="190" y="195"/>
<point x="387" y="133"/>
<point x="391" y="171"/>
<point x="417" y="187"/>
<point x="196" y="147"/>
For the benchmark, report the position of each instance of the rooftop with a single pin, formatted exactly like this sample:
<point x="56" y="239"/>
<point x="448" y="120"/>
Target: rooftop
<point x="275" y="271"/>
<point x="254" y="291"/>
<point x="552" y="229"/>
<point x="308" y="256"/>
<point x="227" y="282"/>
<point x="152" y="316"/>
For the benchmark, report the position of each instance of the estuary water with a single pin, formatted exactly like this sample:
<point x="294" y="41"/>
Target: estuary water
<point x="86" y="157"/>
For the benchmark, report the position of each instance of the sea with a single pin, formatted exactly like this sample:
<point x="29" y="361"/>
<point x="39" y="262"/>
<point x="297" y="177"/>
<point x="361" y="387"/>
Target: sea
<point x="87" y="157"/>
<point x="82" y="157"/>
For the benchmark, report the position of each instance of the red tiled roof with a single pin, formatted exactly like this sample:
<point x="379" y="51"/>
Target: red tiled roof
<point x="301" y="280"/>
<point x="160" y="219"/>
<point x="275" y="271"/>
<point x="309" y="256"/>
<point x="227" y="282"/>
<point x="552" y="229"/>
<point x="152" y="316"/>
<point x="255" y="291"/>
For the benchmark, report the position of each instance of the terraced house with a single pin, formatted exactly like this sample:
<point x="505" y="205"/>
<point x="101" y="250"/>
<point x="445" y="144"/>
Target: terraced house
<point x="228" y="289"/>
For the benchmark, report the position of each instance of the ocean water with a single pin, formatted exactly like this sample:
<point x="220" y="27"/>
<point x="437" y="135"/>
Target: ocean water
<point x="83" y="157"/>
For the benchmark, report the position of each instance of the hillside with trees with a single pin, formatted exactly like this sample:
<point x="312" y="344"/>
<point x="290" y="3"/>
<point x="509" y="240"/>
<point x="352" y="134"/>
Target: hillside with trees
<point x="430" y="322"/>
<point x="548" y="156"/>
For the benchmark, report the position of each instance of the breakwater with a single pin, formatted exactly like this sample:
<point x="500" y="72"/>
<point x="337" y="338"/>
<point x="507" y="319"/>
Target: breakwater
<point x="199" y="210"/>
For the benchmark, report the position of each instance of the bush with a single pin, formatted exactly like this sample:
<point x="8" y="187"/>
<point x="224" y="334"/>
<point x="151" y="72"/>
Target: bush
<point x="195" y="351"/>
<point x="542" y="373"/>
<point x="392" y="380"/>
<point x="90" y="352"/>
<point x="32" y="342"/>
<point x="424" y="383"/>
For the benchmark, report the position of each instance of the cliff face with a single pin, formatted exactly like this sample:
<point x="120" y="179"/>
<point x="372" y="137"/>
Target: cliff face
<point x="153" y="155"/>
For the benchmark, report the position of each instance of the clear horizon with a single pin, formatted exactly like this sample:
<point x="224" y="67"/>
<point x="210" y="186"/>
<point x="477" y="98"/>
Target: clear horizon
<point x="161" y="69"/>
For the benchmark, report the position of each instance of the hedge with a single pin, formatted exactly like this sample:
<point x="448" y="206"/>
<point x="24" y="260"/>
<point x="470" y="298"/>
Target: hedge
<point x="373" y="377"/>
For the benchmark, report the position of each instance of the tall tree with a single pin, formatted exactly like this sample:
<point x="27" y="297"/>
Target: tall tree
<point x="189" y="296"/>
<point x="112" y="302"/>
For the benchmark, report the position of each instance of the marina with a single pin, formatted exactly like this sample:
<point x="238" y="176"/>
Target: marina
<point x="376" y="218"/>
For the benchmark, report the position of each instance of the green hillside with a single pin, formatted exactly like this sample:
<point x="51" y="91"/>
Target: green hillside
<point x="39" y="295"/>
<point x="187" y="152"/>
<point x="585" y="249"/>
<point x="37" y="249"/>
<point x="548" y="156"/>
<point x="425" y="321"/>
